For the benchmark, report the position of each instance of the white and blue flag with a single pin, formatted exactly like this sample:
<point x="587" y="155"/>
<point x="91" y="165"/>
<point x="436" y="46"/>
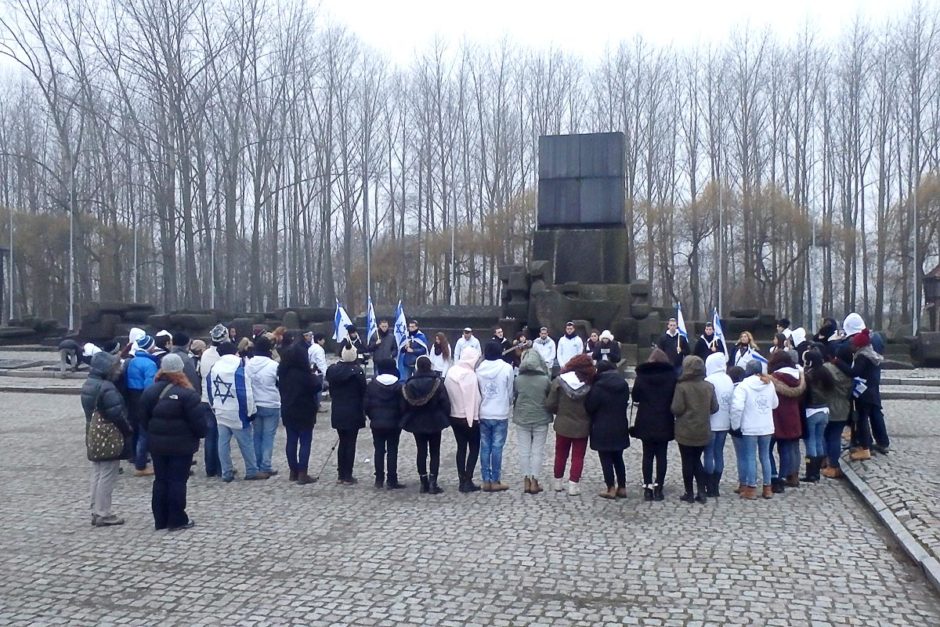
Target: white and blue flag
<point x="371" y="327"/>
<point x="680" y="322"/>
<point x="401" y="325"/>
<point x="719" y="332"/>
<point x="340" y="321"/>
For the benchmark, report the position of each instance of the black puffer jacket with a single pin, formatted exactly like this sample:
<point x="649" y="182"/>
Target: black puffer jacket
<point x="98" y="387"/>
<point x="607" y="405"/>
<point x="427" y="406"/>
<point x="298" y="387"/>
<point x="174" y="423"/>
<point x="653" y="390"/>
<point x="384" y="402"/>
<point x="347" y="396"/>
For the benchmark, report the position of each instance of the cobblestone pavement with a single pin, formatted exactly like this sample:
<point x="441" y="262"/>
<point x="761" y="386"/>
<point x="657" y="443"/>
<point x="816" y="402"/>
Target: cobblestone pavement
<point x="275" y="553"/>
<point x="908" y="479"/>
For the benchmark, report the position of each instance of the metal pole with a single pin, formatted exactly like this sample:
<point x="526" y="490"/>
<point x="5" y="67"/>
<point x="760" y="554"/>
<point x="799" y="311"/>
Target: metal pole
<point x="721" y="235"/>
<point x="365" y="224"/>
<point x="915" y="317"/>
<point x="10" y="260"/>
<point x="453" y="258"/>
<point x="71" y="254"/>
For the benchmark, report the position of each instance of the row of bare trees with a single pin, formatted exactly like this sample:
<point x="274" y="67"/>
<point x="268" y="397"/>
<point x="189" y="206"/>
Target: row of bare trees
<point x="242" y="154"/>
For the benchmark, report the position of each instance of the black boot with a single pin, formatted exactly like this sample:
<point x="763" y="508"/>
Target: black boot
<point x="716" y="481"/>
<point x="817" y="468"/>
<point x="701" y="494"/>
<point x="392" y="483"/>
<point x="709" y="484"/>
<point x="658" y="493"/>
<point x="425" y="485"/>
<point x="379" y="480"/>
<point x="469" y="485"/>
<point x="701" y="497"/>
<point x="687" y="498"/>
<point x="647" y="494"/>
<point x="433" y="488"/>
<point x="776" y="486"/>
<point x="808" y="475"/>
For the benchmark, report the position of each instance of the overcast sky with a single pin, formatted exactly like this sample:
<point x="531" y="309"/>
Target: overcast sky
<point x="586" y="27"/>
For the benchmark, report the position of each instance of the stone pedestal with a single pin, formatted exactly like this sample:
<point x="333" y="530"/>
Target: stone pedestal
<point x="585" y="255"/>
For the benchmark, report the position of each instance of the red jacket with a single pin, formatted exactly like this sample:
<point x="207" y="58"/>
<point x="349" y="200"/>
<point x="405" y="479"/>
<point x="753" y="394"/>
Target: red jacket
<point x="790" y="387"/>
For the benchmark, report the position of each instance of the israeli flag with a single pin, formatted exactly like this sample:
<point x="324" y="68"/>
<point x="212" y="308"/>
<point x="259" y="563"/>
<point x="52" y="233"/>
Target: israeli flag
<point x="340" y="320"/>
<point x="719" y="332"/>
<point x="680" y="322"/>
<point x="371" y="327"/>
<point x="759" y="358"/>
<point x="401" y="325"/>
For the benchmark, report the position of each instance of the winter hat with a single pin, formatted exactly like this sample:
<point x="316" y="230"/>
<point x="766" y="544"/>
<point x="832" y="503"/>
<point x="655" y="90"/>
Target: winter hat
<point x="164" y="333"/>
<point x="197" y="347"/>
<point x="218" y="333"/>
<point x="386" y="366"/>
<point x="90" y="350"/>
<point x="861" y="339"/>
<point x="423" y="364"/>
<point x="492" y="351"/>
<point x="753" y="367"/>
<point x="135" y="334"/>
<point x="263" y="346"/>
<point x="853" y="324"/>
<point x="798" y="336"/>
<point x="145" y="343"/>
<point x="349" y="355"/>
<point x="607" y="335"/>
<point x="171" y="363"/>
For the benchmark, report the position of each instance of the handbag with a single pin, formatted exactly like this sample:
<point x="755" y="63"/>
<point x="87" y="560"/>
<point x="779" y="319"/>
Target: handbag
<point x="103" y="440"/>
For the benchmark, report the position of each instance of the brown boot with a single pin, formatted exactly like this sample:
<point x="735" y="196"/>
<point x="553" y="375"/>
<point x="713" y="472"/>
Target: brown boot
<point x="535" y="487"/>
<point x="748" y="492"/>
<point x="498" y="486"/>
<point x="832" y="473"/>
<point x="487" y="486"/>
<point x="793" y="480"/>
<point x="609" y="493"/>
<point x="740" y="488"/>
<point x="860" y="455"/>
<point x="621" y="493"/>
<point x="528" y="486"/>
<point x="768" y="492"/>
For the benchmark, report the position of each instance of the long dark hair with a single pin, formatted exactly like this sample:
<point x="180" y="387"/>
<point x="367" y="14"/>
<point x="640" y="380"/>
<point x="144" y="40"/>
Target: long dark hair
<point x="816" y="373"/>
<point x="440" y="345"/>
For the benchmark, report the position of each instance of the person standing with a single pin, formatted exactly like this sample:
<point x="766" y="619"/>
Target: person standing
<point x="181" y="344"/>
<point x="347" y="395"/>
<point x="607" y="349"/>
<point x="790" y="386"/>
<point x="233" y="403"/>
<point x="655" y="424"/>
<point x="839" y="401"/>
<point x="173" y="416"/>
<point x="413" y="346"/>
<point x="820" y="384"/>
<point x="352" y="340"/>
<point x="262" y="372"/>
<point x="745" y="350"/>
<point x="674" y="344"/>
<point x="530" y="416"/>
<point x="100" y="394"/>
<point x="217" y="335"/>
<point x="440" y="354"/>
<point x="139" y="374"/>
<point x="466" y="340"/>
<point x="752" y="420"/>
<point x="592" y="341"/>
<point x="569" y="345"/>
<point x="708" y="344"/>
<point x="463" y="391"/>
<point x="384" y="408"/>
<point x="716" y="374"/>
<point x="495" y="378"/>
<point x="572" y="425"/>
<point x="544" y="346"/>
<point x="693" y="404"/>
<point x="316" y="354"/>
<point x="299" y="389"/>
<point x="426" y="414"/>
<point x="866" y="368"/>
<point x="383" y="346"/>
<point x="607" y="404"/>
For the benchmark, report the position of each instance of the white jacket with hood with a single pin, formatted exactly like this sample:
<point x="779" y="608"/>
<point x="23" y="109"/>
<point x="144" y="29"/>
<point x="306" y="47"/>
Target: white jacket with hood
<point x="715" y="374"/>
<point x="752" y="406"/>
<point x="262" y="372"/>
<point x="497" y="384"/>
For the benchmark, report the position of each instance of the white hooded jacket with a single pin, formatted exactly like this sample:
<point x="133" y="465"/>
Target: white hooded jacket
<point x="262" y="371"/>
<point x="568" y="347"/>
<point x="724" y="390"/>
<point x="497" y="385"/>
<point x="546" y="350"/>
<point x="229" y="392"/>
<point x="752" y="406"/>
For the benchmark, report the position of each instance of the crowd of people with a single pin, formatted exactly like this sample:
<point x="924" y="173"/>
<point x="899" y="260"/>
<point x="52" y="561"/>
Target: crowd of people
<point x="164" y="394"/>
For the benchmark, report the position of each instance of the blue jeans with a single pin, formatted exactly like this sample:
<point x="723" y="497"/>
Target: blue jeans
<point x="264" y="428"/>
<point x="298" y="448"/>
<point x="752" y="448"/>
<point x="816" y="422"/>
<point x="834" y="442"/>
<point x="492" y="439"/>
<point x="141" y="454"/>
<point x="715" y="453"/>
<point x="739" y="456"/>
<point x="789" y="453"/>
<point x="245" y="445"/>
<point x="213" y="467"/>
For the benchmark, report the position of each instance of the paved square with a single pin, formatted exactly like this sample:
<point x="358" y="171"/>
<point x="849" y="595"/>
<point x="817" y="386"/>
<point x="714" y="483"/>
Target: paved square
<point x="274" y="553"/>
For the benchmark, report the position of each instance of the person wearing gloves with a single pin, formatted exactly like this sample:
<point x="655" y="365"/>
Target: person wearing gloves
<point x="495" y="378"/>
<point x="385" y="412"/>
<point x="544" y="346"/>
<point x="693" y="404"/>
<point x="299" y="390"/>
<point x="426" y="414"/>
<point x="606" y="404"/>
<point x="572" y="425"/>
<point x="347" y="410"/>
<point x="233" y="403"/>
<point x="174" y="417"/>
<point x="99" y="393"/>
<point x="530" y="417"/>
<point x="790" y="384"/>
<point x="569" y="345"/>
<point x="463" y="391"/>
<point x="715" y="373"/>
<point x="752" y="417"/>
<point x="607" y="349"/>
<point x="655" y="425"/>
<point x="262" y="372"/>
<point x="217" y="335"/>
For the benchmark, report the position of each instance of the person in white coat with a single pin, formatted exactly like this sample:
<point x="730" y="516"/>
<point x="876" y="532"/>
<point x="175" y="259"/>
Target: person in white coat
<point x="715" y="373"/>
<point x="262" y="372"/>
<point x="467" y="340"/>
<point x="497" y="387"/>
<point x="569" y="345"/>
<point x="752" y="415"/>
<point x="545" y="347"/>
<point x="440" y="354"/>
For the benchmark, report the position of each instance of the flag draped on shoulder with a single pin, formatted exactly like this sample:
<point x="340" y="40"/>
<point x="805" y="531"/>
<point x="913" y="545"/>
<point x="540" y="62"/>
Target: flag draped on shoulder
<point x="680" y="322"/>
<point x="372" y="329"/>
<point x="719" y="332"/>
<point x="340" y="321"/>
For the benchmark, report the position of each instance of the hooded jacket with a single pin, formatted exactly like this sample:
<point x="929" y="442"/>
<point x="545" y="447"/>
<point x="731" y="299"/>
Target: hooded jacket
<point x="867" y="366"/>
<point x="545" y="347"/>
<point x="140" y="371"/>
<point x="607" y="404"/>
<point x="99" y="392"/>
<point x="532" y="385"/>
<point x="347" y="396"/>
<point x="426" y="407"/>
<point x="462" y="344"/>
<point x="263" y="374"/>
<point x="715" y="373"/>
<point x="495" y="379"/>
<point x="298" y="387"/>
<point x="229" y="392"/>
<point x="652" y="392"/>
<point x="790" y="386"/>
<point x="383" y="402"/>
<point x="752" y="406"/>
<point x="838" y="398"/>
<point x="567" y="348"/>
<point x="174" y="423"/>
<point x="693" y="404"/>
<point x="566" y="400"/>
<point x="463" y="387"/>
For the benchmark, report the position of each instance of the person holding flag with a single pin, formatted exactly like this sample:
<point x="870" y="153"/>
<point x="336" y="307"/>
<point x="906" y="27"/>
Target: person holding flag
<point x="411" y="347"/>
<point x="675" y="341"/>
<point x="709" y="343"/>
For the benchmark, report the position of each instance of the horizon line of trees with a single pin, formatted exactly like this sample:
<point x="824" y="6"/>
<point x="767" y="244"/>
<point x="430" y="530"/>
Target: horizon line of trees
<point x="245" y="155"/>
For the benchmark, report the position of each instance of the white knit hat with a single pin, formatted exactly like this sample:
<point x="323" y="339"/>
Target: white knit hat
<point x="349" y="354"/>
<point x="853" y="324"/>
<point x="607" y="335"/>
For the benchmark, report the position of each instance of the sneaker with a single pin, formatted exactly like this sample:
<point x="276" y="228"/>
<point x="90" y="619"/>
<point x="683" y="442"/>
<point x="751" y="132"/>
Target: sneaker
<point x="228" y="478"/>
<point x="258" y="476"/>
<point x="559" y="484"/>
<point x="574" y="488"/>
<point x="108" y="521"/>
